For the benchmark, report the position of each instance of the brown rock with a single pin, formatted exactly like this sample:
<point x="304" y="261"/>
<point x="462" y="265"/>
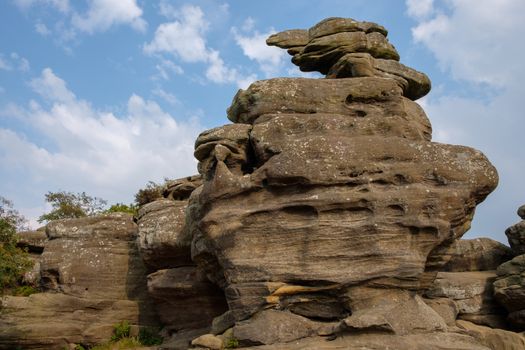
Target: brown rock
<point x="208" y="341"/>
<point x="494" y="338"/>
<point x="163" y="241"/>
<point x="444" y="307"/>
<point x="181" y="189"/>
<point x="521" y="212"/>
<point x="271" y="326"/>
<point x="516" y="236"/>
<point x="184" y="299"/>
<point x="289" y="39"/>
<point x="473" y="294"/>
<point x="479" y="254"/>
<point x="509" y="290"/>
<point x="93" y="257"/>
<point x="51" y="321"/>
<point x="334" y="25"/>
<point x="33" y="241"/>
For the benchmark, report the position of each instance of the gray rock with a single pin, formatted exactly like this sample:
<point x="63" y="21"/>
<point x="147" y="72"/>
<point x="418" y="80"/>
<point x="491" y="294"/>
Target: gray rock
<point x="509" y="290"/>
<point x="521" y="212"/>
<point x="516" y="237"/>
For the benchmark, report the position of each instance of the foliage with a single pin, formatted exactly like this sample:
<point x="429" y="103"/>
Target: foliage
<point x="232" y="343"/>
<point x="25" y="291"/>
<point x="122" y="208"/>
<point x="14" y="262"/>
<point x="67" y="205"/>
<point x="149" y="336"/>
<point x="79" y="347"/>
<point x="121" y="330"/>
<point x="150" y="193"/>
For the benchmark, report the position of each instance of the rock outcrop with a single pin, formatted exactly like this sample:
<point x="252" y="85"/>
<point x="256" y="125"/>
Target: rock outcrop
<point x="322" y="203"/>
<point x="92" y="277"/>
<point x="324" y="217"/>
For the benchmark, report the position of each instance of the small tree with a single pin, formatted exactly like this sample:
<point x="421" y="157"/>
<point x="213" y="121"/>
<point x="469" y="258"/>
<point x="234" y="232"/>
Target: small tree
<point x="68" y="205"/>
<point x="14" y="262"/>
<point x="122" y="208"/>
<point x="150" y="193"/>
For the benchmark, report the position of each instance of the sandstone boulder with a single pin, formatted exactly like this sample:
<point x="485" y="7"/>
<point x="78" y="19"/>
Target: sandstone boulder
<point x="472" y="292"/>
<point x="163" y="241"/>
<point x="184" y="299"/>
<point x="516" y="236"/>
<point x="509" y="290"/>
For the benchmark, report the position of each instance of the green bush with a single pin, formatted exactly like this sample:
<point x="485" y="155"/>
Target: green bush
<point x="69" y="205"/>
<point x="150" y="193"/>
<point x="149" y="336"/>
<point x="121" y="330"/>
<point x="14" y="262"/>
<point x="25" y="291"/>
<point x="232" y="343"/>
<point x="122" y="208"/>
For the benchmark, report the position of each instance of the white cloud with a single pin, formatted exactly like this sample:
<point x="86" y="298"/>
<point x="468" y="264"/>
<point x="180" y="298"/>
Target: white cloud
<point x="165" y="68"/>
<point x="61" y="5"/>
<point x="269" y="58"/>
<point x="478" y="42"/>
<point x="42" y="29"/>
<point x="81" y="148"/>
<point x="166" y="96"/>
<point x="184" y="38"/>
<point x="103" y="14"/>
<point x="420" y="8"/>
<point x="14" y="62"/>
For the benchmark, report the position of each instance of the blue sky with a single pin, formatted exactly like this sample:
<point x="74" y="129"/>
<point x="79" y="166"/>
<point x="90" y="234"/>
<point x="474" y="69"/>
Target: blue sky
<point x="104" y="95"/>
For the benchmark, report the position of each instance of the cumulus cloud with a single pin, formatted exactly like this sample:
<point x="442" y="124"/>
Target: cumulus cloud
<point x="253" y="45"/>
<point x="477" y="43"/>
<point x="185" y="39"/>
<point x="103" y="14"/>
<point x="80" y="148"/>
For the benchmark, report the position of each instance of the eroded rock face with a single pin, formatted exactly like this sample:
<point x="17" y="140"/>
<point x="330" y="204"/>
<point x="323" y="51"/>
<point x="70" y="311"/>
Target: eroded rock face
<point x="326" y="197"/>
<point x="343" y="47"/>
<point x="509" y="290"/>
<point x="94" y="278"/>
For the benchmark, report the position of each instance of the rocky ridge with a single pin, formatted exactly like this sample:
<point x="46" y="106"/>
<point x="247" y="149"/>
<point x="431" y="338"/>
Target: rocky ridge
<point x="324" y="217"/>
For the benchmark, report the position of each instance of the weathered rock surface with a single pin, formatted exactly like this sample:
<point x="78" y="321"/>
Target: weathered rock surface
<point x="185" y="299"/>
<point x="473" y="294"/>
<point x="509" y="290"/>
<point x="326" y="197"/>
<point x="343" y="48"/>
<point x="494" y="338"/>
<point x="33" y="241"/>
<point x="163" y="241"/>
<point x="96" y="278"/>
<point x="521" y="212"/>
<point x="516" y="236"/>
<point x="479" y="254"/>
<point x="53" y="321"/>
<point x="181" y="189"/>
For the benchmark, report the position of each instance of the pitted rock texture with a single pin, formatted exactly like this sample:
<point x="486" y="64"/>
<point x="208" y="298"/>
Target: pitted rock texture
<point x="93" y="277"/>
<point x="516" y="236"/>
<point x="162" y="238"/>
<point x="472" y="293"/>
<point x="509" y="290"/>
<point x="479" y="254"/>
<point x="326" y="197"/>
<point x="343" y="47"/>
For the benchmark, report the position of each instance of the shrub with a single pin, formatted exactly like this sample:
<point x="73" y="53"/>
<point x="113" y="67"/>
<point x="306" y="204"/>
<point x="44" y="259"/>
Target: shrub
<point x="149" y="336"/>
<point x="14" y="262"/>
<point x="69" y="205"/>
<point x="121" y="330"/>
<point x="148" y="194"/>
<point x="122" y="208"/>
<point x="25" y="291"/>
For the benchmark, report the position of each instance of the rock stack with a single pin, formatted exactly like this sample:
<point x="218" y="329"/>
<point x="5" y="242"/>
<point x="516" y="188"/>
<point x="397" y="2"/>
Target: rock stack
<point x="322" y="204"/>
<point x="510" y="282"/>
<point x="324" y="217"/>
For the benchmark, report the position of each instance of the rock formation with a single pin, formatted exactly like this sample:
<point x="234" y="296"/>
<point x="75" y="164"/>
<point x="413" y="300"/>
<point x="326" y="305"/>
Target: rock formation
<point x="324" y="217"/>
<point x="510" y="282"/>
<point x="92" y="277"/>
